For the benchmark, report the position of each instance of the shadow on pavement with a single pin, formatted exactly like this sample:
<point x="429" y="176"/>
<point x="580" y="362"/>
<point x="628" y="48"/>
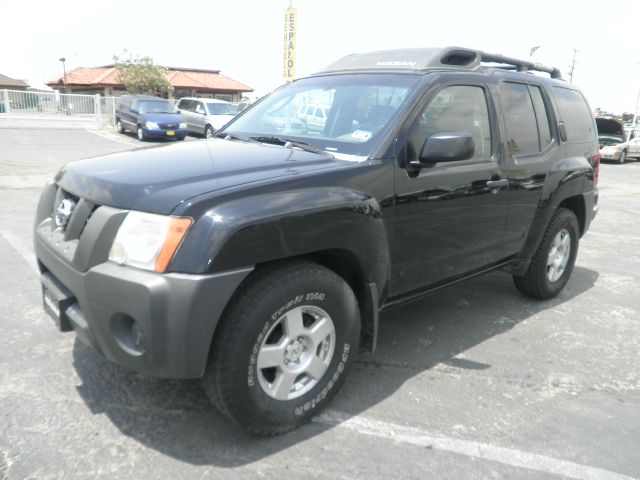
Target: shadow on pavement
<point x="177" y="419"/>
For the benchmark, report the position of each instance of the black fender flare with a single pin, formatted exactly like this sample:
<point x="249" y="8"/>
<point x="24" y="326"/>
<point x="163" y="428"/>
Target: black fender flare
<point x="568" y="179"/>
<point x="272" y="226"/>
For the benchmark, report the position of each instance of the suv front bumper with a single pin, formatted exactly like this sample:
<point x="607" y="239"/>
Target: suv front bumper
<point x="158" y="324"/>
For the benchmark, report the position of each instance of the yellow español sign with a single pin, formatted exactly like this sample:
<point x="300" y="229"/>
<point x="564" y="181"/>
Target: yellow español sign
<point x="290" y="28"/>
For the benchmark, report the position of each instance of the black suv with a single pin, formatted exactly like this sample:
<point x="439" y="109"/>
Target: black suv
<point x="261" y="259"/>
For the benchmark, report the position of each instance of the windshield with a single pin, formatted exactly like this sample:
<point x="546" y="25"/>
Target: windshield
<point x="155" y="106"/>
<point x="221" y="109"/>
<point x="337" y="113"/>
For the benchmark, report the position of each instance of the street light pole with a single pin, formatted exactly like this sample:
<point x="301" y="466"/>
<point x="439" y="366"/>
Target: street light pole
<point x="635" y="115"/>
<point x="64" y="71"/>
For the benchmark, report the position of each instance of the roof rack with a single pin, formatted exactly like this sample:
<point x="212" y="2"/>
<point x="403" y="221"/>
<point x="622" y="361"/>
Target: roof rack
<point x="425" y="59"/>
<point x="520" y="65"/>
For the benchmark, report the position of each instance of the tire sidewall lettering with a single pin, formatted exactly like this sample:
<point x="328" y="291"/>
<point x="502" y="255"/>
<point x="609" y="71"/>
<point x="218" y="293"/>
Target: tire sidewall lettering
<point x="320" y="396"/>
<point x="252" y="370"/>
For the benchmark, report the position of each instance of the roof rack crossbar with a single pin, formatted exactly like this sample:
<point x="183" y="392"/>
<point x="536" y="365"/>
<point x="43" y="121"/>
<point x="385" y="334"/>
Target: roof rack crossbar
<point x="520" y="65"/>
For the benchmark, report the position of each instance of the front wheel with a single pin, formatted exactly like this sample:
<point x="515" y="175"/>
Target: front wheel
<point x="140" y="133"/>
<point x="283" y="348"/>
<point x="623" y="156"/>
<point x="208" y="131"/>
<point x="552" y="264"/>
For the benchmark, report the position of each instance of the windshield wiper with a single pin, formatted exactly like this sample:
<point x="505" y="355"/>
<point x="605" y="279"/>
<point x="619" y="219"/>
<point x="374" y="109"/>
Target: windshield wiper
<point x="291" y="143"/>
<point x="229" y="136"/>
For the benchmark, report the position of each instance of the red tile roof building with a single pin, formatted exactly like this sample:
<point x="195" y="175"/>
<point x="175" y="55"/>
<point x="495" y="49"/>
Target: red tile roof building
<point x="186" y="82"/>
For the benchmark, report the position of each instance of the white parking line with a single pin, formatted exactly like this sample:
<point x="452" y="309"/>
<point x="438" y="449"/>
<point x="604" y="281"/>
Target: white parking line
<point x="114" y="137"/>
<point x="506" y="456"/>
<point x="21" y="249"/>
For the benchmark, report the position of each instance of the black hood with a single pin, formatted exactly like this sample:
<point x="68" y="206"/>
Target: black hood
<point x="158" y="179"/>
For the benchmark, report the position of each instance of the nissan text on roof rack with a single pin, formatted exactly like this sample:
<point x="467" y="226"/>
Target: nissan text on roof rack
<point x="260" y="259"/>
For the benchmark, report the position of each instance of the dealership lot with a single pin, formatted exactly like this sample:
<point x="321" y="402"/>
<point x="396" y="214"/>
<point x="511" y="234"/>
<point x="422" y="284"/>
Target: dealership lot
<point x="476" y="381"/>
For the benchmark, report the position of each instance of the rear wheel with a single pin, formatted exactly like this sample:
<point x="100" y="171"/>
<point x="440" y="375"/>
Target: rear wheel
<point x="552" y="264"/>
<point x="119" y="126"/>
<point x="283" y="348"/>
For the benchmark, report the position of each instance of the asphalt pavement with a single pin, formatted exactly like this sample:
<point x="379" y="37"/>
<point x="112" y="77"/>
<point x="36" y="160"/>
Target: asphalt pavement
<point x="473" y="382"/>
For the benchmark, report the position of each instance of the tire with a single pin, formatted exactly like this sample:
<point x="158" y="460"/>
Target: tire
<point x="140" y="134"/>
<point x="320" y="309"/>
<point x="119" y="126"/>
<point x="546" y="276"/>
<point x="623" y="156"/>
<point x="208" y="131"/>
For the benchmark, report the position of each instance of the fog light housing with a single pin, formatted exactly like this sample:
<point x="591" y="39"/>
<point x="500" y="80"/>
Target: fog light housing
<point x="128" y="334"/>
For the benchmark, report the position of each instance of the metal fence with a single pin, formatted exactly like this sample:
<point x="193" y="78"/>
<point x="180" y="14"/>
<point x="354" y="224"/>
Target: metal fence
<point x="91" y="111"/>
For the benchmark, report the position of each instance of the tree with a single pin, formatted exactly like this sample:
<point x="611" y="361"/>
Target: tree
<point x="140" y="75"/>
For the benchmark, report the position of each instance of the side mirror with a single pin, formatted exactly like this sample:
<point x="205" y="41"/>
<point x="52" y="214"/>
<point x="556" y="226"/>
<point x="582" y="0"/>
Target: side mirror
<point x="563" y="131"/>
<point x="178" y="110"/>
<point x="446" y="147"/>
<point x="135" y="111"/>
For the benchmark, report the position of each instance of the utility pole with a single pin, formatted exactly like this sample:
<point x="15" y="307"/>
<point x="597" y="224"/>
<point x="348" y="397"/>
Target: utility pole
<point x="573" y="66"/>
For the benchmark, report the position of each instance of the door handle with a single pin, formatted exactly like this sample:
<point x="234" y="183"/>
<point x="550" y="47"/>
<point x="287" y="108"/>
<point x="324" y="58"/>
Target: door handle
<point x="496" y="185"/>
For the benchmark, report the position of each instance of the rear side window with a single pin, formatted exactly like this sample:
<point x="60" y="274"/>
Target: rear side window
<point x="575" y="114"/>
<point x="520" y="118"/>
<point x="186" y="105"/>
<point x="542" y="116"/>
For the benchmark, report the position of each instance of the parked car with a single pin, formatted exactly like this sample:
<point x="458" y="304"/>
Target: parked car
<point x="259" y="261"/>
<point x="205" y="116"/>
<point x="149" y="117"/>
<point x="611" y="136"/>
<point x="625" y="150"/>
<point x="314" y="116"/>
<point x="279" y="119"/>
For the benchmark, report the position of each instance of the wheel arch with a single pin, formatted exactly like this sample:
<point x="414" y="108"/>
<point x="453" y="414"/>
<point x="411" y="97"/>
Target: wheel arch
<point x="577" y="205"/>
<point x="347" y="266"/>
<point x="565" y="187"/>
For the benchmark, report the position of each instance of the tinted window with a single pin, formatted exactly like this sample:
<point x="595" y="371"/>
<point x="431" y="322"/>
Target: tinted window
<point x="222" y="109"/>
<point x="542" y="115"/>
<point x="187" y="105"/>
<point x="455" y="109"/>
<point x="154" y="106"/>
<point x="576" y="115"/>
<point x="520" y="118"/>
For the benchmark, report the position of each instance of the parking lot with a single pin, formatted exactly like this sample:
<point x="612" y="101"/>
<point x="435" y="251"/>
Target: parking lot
<point x="474" y="382"/>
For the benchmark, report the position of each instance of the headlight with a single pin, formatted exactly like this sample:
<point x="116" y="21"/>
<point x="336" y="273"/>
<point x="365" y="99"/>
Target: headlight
<point x="151" y="125"/>
<point x="183" y="125"/>
<point x="148" y="241"/>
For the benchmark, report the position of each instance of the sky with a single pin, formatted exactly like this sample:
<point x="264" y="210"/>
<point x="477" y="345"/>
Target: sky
<point x="244" y="38"/>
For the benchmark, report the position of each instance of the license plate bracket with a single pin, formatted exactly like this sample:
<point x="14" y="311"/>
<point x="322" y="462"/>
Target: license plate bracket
<point x="55" y="301"/>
